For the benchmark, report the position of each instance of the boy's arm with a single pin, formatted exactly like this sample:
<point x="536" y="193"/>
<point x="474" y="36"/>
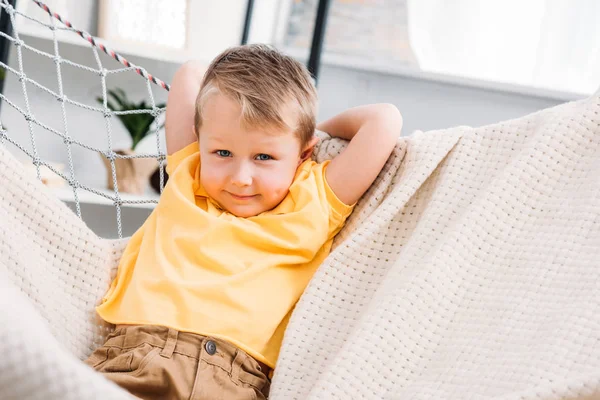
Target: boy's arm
<point x="179" y="123"/>
<point x="373" y="131"/>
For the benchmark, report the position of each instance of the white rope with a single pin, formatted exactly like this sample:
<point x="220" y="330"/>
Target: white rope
<point x="63" y="132"/>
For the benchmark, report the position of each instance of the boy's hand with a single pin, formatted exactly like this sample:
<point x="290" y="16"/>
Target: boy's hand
<point x="181" y="104"/>
<point x="373" y="131"/>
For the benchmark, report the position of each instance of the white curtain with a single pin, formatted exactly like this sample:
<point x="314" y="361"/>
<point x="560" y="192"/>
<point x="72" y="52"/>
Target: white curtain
<point x="551" y="44"/>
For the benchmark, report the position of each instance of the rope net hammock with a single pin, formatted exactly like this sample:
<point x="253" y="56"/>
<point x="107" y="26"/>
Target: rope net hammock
<point x="468" y="270"/>
<point x="58" y="24"/>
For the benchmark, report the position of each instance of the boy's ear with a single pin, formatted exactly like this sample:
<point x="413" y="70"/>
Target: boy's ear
<point x="308" y="150"/>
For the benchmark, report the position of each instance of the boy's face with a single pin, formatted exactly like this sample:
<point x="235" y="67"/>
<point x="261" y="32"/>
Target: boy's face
<point x="246" y="171"/>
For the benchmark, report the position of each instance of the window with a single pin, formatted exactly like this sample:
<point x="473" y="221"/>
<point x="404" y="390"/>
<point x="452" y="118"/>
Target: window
<point x="544" y="44"/>
<point x="377" y="30"/>
<point x="134" y="21"/>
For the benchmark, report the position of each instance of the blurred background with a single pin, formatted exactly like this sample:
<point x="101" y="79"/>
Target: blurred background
<point x="443" y="63"/>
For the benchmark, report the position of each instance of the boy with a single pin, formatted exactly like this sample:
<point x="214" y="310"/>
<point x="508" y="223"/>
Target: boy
<point x="206" y="286"/>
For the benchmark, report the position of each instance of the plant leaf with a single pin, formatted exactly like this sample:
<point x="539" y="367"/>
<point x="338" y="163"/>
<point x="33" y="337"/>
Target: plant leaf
<point x="137" y="125"/>
<point x="111" y="106"/>
<point x="121" y="99"/>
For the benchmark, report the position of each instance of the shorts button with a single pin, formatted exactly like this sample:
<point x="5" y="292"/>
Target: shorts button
<point x="211" y="347"/>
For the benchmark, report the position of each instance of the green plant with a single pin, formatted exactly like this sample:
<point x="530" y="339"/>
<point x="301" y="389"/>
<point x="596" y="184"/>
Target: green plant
<point x="138" y="125"/>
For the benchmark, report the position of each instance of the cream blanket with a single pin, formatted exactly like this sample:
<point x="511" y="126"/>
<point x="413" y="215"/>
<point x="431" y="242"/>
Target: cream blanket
<point x="471" y="269"/>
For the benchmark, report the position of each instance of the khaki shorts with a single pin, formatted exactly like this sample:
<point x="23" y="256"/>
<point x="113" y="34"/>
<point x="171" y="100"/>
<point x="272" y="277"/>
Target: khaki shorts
<point x="154" y="362"/>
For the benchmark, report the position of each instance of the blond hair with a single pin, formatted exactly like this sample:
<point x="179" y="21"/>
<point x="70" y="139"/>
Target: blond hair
<point x="263" y="81"/>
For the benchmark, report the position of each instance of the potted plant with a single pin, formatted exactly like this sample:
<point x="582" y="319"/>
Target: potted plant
<point x="132" y="173"/>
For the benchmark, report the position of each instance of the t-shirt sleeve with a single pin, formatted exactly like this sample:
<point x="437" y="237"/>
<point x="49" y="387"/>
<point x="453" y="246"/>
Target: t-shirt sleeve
<point x="338" y="210"/>
<point x="175" y="159"/>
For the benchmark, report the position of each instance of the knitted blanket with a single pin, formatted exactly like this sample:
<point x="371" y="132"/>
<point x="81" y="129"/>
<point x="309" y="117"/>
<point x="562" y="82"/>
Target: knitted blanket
<point x="470" y="269"/>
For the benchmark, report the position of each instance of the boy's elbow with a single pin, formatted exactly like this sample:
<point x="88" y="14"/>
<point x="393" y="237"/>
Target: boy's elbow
<point x="391" y="118"/>
<point x="391" y="112"/>
<point x="192" y="69"/>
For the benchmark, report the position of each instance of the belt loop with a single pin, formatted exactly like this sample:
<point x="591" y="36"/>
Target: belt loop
<point x="167" y="351"/>
<point x="236" y="365"/>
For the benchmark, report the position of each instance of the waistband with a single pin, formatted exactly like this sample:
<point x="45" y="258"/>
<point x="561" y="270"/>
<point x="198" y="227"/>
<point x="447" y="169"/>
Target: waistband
<point x="224" y="354"/>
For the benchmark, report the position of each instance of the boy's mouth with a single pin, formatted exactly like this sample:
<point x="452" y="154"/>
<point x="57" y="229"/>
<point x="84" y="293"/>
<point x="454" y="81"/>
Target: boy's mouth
<point x="241" y="197"/>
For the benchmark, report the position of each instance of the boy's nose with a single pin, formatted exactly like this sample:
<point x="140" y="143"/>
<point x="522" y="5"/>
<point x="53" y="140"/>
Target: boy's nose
<point x="242" y="177"/>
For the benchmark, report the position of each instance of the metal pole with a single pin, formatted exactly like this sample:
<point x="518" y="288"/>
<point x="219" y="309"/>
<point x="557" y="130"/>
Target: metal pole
<point x="6" y="27"/>
<point x="314" y="59"/>
<point x="248" y="21"/>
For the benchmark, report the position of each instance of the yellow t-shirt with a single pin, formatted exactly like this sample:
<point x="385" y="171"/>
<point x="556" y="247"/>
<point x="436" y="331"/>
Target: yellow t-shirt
<point x="197" y="268"/>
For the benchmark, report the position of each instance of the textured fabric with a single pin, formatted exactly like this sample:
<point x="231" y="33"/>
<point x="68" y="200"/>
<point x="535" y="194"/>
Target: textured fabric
<point x="53" y="272"/>
<point x="469" y="270"/>
<point x="196" y="268"/>
<point x="153" y="362"/>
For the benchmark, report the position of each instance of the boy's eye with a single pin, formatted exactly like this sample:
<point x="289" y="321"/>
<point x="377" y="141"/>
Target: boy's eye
<point x="223" y="153"/>
<point x="263" y="157"/>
